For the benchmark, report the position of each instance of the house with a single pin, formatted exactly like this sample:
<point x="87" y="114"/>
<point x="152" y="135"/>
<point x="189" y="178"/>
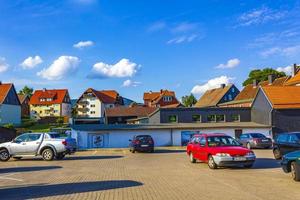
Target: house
<point x="50" y="103"/>
<point x="92" y="103"/>
<point x="214" y="97"/>
<point x="248" y="93"/>
<point x="124" y="115"/>
<point x="278" y="107"/>
<point x="163" y="98"/>
<point x="25" y="108"/>
<point x="10" y="107"/>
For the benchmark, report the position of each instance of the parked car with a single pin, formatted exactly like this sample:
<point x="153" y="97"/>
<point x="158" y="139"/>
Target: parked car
<point x="255" y="140"/>
<point x="286" y="143"/>
<point x="47" y="145"/>
<point x="141" y="143"/>
<point x="291" y="164"/>
<point x="219" y="150"/>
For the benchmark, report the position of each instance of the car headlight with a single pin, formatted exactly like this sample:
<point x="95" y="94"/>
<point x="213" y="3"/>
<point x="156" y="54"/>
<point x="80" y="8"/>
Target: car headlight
<point x="250" y="154"/>
<point x="223" y="154"/>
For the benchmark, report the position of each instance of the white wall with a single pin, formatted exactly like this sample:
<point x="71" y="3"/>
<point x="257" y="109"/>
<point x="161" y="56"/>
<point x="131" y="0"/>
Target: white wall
<point x="66" y="109"/>
<point x="10" y="114"/>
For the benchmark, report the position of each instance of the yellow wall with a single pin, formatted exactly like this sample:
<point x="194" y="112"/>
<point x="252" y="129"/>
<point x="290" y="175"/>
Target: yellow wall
<point x="41" y="110"/>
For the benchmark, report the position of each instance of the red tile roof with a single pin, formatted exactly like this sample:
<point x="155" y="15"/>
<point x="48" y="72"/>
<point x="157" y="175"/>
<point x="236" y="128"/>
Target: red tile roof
<point x="283" y="97"/>
<point x="154" y="96"/>
<point x="57" y="95"/>
<point x="22" y="97"/>
<point x="105" y="96"/>
<point x="4" y="89"/>
<point x="122" y="111"/>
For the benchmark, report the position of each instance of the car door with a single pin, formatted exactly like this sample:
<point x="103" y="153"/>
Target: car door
<point x="293" y="143"/>
<point x="18" y="145"/>
<point x="32" y="144"/>
<point x="282" y="143"/>
<point x="203" y="149"/>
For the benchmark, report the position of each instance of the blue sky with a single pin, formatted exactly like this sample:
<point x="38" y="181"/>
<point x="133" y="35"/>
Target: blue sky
<point x="135" y="46"/>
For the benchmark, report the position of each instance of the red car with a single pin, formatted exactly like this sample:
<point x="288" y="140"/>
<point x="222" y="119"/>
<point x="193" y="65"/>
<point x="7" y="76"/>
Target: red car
<point x="219" y="150"/>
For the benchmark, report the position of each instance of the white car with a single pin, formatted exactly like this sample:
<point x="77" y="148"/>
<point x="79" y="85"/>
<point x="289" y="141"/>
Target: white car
<point x="47" y="145"/>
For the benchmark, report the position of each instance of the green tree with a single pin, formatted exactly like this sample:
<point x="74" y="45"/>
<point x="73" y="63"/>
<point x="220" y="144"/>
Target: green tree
<point x="26" y="91"/>
<point x="189" y="100"/>
<point x="262" y="75"/>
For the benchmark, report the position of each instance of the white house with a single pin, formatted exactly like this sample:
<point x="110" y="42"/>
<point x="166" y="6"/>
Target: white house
<point x="92" y="103"/>
<point x="10" y="107"/>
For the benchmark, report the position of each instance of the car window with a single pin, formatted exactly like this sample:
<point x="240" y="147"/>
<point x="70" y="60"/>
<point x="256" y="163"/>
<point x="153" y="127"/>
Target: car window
<point x="282" y="138"/>
<point x="244" y="136"/>
<point x="258" y="135"/>
<point x="293" y="138"/>
<point x="202" y="141"/>
<point x="222" y="141"/>
<point x="22" y="138"/>
<point x="58" y="135"/>
<point x="33" y="137"/>
<point x="143" y="138"/>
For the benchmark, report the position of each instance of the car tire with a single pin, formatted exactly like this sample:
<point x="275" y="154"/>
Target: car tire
<point x="60" y="156"/>
<point x="248" y="145"/>
<point x="17" y="158"/>
<point x="4" y="155"/>
<point x="192" y="159"/>
<point x="211" y="163"/>
<point x="248" y="166"/>
<point x="276" y="153"/>
<point x="295" y="171"/>
<point x="132" y="151"/>
<point x="48" y="154"/>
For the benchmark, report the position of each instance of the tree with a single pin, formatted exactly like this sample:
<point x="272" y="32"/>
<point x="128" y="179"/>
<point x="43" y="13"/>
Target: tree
<point x="262" y="75"/>
<point x="189" y="100"/>
<point x="26" y="91"/>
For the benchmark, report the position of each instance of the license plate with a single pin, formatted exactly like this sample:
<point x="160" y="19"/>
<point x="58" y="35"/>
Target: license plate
<point x="239" y="158"/>
<point x="144" y="145"/>
<point x="265" y="140"/>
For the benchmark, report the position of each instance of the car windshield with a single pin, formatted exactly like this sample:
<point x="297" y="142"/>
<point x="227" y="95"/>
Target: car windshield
<point x="143" y="138"/>
<point x="258" y="135"/>
<point x="217" y="141"/>
<point x="58" y="135"/>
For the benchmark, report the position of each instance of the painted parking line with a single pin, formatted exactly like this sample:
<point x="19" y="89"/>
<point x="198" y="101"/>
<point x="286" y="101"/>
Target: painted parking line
<point x="8" y="177"/>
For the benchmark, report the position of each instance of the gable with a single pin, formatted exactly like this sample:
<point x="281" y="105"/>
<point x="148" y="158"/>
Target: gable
<point x="9" y="96"/>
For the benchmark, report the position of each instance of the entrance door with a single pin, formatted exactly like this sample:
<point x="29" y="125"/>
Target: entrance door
<point x="238" y="133"/>
<point x="97" y="141"/>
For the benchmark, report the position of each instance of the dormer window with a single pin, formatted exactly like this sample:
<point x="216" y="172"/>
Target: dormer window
<point x="167" y="98"/>
<point x="42" y="100"/>
<point x="49" y="99"/>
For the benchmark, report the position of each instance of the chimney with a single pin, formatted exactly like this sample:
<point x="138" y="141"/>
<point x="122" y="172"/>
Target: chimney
<point x="150" y="91"/>
<point x="255" y="82"/>
<point x="0" y="82"/>
<point x="161" y="91"/>
<point x="223" y="85"/>
<point x="44" y="89"/>
<point x="270" y="79"/>
<point x="294" y="70"/>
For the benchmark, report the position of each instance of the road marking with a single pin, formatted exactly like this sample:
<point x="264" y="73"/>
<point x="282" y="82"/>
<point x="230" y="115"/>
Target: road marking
<point x="6" y="177"/>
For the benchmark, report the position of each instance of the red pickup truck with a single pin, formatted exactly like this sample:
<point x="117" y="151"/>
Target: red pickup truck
<point x="219" y="150"/>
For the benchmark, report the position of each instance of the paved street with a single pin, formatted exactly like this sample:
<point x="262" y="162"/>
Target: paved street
<point x="166" y="174"/>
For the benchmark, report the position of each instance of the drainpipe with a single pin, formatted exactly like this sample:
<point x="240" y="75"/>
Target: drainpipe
<point x="172" y="143"/>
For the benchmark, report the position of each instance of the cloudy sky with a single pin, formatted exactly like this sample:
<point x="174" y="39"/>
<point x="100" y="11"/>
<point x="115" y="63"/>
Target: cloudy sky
<point x="135" y="46"/>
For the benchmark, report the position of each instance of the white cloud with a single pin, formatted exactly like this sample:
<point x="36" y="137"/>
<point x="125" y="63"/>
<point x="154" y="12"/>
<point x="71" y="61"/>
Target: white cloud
<point x="123" y="68"/>
<point x="211" y="84"/>
<point x="182" y="39"/>
<point x="83" y="44"/>
<point x="60" y="68"/>
<point x="3" y="65"/>
<point x="260" y="16"/>
<point x="287" y="70"/>
<point x="232" y="63"/>
<point x="31" y="62"/>
<point x="282" y="51"/>
<point x="185" y="27"/>
<point x="129" y="83"/>
<point x="157" y="26"/>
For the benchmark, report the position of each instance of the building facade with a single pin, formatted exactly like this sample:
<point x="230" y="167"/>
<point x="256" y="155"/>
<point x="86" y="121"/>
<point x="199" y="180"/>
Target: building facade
<point x="163" y="98"/>
<point x="25" y="108"/>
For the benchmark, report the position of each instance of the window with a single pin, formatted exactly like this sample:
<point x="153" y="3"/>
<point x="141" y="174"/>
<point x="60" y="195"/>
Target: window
<point x="49" y="99"/>
<point x="173" y="118"/>
<point x="42" y="99"/>
<point x="235" y="117"/>
<point x="196" y="118"/>
<point x="202" y="142"/>
<point x="93" y="112"/>
<point x="220" y="118"/>
<point x="33" y="137"/>
<point x="230" y="97"/>
<point x="293" y="139"/>
<point x="217" y="141"/>
<point x="244" y="136"/>
<point x="167" y="98"/>
<point x="21" y="138"/>
<point x="93" y="105"/>
<point x="232" y="90"/>
<point x="211" y="118"/>
<point x="282" y="138"/>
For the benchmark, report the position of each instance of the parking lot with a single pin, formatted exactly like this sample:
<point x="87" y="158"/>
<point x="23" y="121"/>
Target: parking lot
<point x="166" y="174"/>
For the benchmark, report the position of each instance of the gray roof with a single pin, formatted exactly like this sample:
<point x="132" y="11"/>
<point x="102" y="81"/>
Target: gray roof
<point x="107" y="127"/>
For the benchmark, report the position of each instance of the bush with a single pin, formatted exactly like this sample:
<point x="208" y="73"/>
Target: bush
<point x="10" y="126"/>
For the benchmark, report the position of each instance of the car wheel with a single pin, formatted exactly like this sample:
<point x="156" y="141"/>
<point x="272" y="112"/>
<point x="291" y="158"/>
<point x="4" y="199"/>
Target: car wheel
<point x="192" y="159"/>
<point x="211" y="163"/>
<point x="17" y="158"/>
<point x="4" y="155"/>
<point x="48" y="154"/>
<point x="132" y="151"/>
<point x="295" y="171"/>
<point x="248" y="165"/>
<point x="248" y="145"/>
<point x="276" y="153"/>
<point x="60" y="156"/>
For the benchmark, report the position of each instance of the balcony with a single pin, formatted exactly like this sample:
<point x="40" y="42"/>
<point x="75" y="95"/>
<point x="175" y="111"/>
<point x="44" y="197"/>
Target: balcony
<point x="83" y="102"/>
<point x="83" y="110"/>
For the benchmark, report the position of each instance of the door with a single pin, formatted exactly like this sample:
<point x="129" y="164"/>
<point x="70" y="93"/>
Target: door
<point x="282" y="143"/>
<point x="202" y="149"/>
<point x="238" y="133"/>
<point x="33" y="142"/>
<point x="18" y="146"/>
